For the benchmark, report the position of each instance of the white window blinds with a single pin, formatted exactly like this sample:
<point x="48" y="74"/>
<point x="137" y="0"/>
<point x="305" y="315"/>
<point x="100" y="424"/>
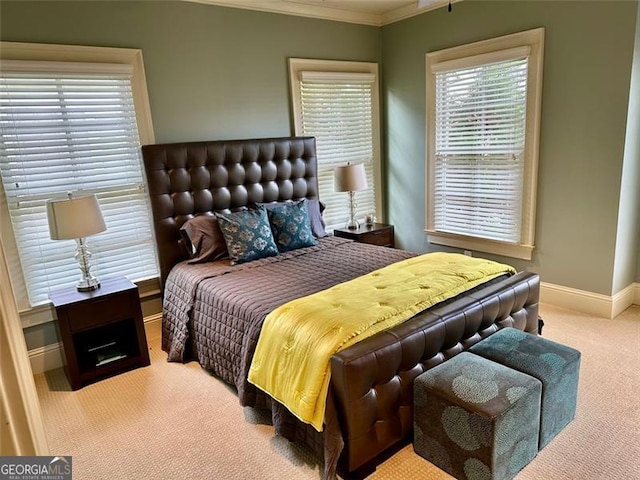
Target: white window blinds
<point x="480" y="114"/>
<point x="337" y="109"/>
<point x="72" y="127"/>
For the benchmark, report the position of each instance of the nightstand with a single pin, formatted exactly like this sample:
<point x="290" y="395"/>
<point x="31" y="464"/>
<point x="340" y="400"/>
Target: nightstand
<point x="376" y="234"/>
<point x="102" y="331"/>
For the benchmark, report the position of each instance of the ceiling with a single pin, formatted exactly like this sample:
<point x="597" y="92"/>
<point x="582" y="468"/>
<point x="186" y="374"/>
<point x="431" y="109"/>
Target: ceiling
<point x="367" y="12"/>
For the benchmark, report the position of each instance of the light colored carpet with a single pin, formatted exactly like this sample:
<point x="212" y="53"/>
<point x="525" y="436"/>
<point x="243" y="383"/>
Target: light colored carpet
<point x="172" y="420"/>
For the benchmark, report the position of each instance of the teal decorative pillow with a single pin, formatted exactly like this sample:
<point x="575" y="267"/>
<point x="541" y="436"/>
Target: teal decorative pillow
<point x="247" y="235"/>
<point x="314" y="208"/>
<point x="290" y="225"/>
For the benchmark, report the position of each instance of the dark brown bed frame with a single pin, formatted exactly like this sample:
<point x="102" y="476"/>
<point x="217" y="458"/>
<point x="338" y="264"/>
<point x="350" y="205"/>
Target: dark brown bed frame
<point x="372" y="381"/>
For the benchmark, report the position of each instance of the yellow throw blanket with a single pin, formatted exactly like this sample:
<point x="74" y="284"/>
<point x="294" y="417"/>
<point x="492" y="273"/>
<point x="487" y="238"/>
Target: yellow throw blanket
<point x="291" y="361"/>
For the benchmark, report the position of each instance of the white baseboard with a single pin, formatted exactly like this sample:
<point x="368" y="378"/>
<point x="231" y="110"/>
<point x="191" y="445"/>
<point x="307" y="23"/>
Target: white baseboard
<point x="574" y="299"/>
<point x="623" y="300"/>
<point x="153" y="326"/>
<point x="51" y="356"/>
<point x="46" y="358"/>
<point x="588" y="302"/>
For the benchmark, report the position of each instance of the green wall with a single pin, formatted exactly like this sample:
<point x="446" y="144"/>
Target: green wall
<point x="587" y="70"/>
<point x="220" y="73"/>
<point x="628" y="235"/>
<point x="212" y="72"/>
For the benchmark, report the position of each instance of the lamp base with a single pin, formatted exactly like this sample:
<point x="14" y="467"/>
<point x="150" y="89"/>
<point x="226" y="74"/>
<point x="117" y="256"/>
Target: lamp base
<point x="352" y="224"/>
<point x="88" y="284"/>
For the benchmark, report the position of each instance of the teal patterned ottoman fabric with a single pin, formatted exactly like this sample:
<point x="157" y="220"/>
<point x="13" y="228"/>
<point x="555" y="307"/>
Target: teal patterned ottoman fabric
<point x="556" y="366"/>
<point x="476" y="419"/>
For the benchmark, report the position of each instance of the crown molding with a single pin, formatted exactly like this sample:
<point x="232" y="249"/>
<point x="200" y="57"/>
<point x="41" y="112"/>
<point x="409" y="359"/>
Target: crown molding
<point x="411" y="11"/>
<point x="319" y="11"/>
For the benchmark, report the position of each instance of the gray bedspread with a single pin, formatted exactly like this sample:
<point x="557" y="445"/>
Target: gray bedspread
<point x="214" y="312"/>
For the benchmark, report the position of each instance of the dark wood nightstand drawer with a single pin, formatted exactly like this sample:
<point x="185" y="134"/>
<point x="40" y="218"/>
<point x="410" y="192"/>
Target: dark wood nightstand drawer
<point x="99" y="311"/>
<point x="377" y="237"/>
<point x="376" y="234"/>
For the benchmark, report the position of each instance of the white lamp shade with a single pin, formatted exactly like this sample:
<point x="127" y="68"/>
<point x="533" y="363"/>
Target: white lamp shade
<point x="76" y="217"/>
<point x="350" y="178"/>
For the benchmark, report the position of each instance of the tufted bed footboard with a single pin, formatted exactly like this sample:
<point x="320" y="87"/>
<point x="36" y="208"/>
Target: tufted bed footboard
<point x="372" y="381"/>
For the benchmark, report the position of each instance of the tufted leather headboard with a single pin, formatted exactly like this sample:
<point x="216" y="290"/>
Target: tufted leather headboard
<point x="187" y="179"/>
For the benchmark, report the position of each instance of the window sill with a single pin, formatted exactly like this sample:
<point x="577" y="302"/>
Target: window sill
<point x="523" y="252"/>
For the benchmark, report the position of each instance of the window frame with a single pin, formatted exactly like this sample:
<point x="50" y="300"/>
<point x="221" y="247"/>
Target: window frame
<point x="297" y="65"/>
<point x="71" y="53"/>
<point x="487" y="49"/>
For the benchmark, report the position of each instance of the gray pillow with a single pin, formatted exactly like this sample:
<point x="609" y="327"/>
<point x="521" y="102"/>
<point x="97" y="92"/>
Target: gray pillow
<point x="315" y="208"/>
<point x="204" y="240"/>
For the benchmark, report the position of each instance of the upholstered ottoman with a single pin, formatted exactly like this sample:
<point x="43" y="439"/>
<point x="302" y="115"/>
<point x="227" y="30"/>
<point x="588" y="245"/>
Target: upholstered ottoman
<point x="476" y="419"/>
<point x="556" y="366"/>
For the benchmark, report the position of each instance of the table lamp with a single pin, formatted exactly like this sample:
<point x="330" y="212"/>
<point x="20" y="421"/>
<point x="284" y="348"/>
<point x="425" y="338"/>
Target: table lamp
<point x="351" y="178"/>
<point x="76" y="218"/>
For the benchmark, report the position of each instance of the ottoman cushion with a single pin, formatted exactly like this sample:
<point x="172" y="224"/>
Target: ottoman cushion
<point x="476" y="419"/>
<point x="556" y="366"/>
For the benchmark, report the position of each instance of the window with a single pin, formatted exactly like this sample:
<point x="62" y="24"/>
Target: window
<point x="483" y="107"/>
<point x="337" y="102"/>
<point x="72" y="126"/>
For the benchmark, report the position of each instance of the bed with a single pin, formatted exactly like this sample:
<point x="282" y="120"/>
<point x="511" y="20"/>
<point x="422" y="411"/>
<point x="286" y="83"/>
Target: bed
<point x="369" y="402"/>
